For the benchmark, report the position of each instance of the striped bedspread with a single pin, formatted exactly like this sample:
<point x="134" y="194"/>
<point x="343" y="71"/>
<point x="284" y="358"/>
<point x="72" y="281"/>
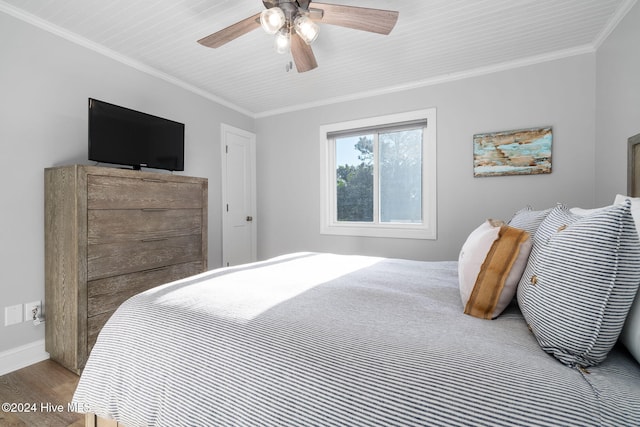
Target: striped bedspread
<point x="327" y="340"/>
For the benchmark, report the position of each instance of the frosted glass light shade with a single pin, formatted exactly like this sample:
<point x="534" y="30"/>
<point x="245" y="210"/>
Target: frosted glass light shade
<point x="306" y="29"/>
<point x="283" y="42"/>
<point x="272" y="20"/>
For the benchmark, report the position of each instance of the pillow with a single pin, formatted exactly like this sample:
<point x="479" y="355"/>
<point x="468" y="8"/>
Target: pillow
<point x="529" y="220"/>
<point x="489" y="268"/>
<point x="635" y="206"/>
<point x="585" y="212"/>
<point x="557" y="219"/>
<point x="630" y="335"/>
<point x="580" y="281"/>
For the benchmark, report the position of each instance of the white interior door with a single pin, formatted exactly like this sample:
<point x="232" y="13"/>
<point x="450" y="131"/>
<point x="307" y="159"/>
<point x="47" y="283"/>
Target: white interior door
<point x="238" y="196"/>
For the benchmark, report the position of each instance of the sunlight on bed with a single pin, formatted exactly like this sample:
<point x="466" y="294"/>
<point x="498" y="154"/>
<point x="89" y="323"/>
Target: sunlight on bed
<point x="243" y="295"/>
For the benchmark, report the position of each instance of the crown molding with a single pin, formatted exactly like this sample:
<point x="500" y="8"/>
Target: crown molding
<point x="622" y="11"/>
<point x="88" y="44"/>
<point x="504" y="66"/>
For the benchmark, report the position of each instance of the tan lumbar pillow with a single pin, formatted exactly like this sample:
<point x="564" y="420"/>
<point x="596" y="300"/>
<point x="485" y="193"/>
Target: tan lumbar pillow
<point x="490" y="265"/>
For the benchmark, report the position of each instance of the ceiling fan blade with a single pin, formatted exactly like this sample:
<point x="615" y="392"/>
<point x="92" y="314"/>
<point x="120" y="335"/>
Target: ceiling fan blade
<point x="359" y="18"/>
<point x="302" y="54"/>
<point x="232" y="32"/>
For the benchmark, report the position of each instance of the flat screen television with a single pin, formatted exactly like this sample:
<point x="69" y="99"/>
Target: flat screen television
<point x="123" y="136"/>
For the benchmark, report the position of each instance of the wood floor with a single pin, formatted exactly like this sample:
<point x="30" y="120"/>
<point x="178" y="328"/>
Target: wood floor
<point x="43" y="387"/>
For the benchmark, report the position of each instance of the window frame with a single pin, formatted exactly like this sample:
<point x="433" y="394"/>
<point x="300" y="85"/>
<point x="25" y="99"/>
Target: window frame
<point x="328" y="194"/>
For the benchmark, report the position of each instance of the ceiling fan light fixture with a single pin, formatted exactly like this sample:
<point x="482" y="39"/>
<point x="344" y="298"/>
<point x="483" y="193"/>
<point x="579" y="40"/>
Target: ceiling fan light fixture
<point x="283" y="41"/>
<point x="272" y="20"/>
<point x="306" y="28"/>
<point x="298" y="23"/>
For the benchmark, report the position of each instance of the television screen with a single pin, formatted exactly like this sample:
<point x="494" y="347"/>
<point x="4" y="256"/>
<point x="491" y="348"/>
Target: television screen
<point x="127" y="137"/>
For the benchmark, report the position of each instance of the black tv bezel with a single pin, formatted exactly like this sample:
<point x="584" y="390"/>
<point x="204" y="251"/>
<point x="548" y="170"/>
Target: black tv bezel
<point x="140" y="115"/>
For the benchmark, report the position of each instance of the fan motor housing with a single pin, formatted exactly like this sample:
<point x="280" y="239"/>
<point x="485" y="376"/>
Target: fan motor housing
<point x="284" y="4"/>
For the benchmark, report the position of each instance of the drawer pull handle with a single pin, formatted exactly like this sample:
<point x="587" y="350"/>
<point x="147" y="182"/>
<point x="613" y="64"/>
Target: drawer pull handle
<point x="154" y="209"/>
<point x="153" y="180"/>
<point x="156" y="239"/>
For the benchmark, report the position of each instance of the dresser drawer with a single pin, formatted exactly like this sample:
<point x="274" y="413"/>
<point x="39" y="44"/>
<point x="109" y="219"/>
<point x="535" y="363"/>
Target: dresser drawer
<point x="112" y="259"/>
<point x="108" y="226"/>
<point x="114" y="192"/>
<point x="106" y="295"/>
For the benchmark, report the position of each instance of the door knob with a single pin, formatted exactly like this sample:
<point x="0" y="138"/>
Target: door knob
<point x="249" y="218"/>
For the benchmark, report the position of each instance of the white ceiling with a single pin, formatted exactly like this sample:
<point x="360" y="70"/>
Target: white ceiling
<point x="433" y="41"/>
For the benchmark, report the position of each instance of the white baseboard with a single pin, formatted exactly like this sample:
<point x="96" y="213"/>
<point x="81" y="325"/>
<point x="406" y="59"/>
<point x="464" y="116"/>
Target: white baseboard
<point x="23" y="356"/>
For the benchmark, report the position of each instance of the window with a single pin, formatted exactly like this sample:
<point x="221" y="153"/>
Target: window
<point x="379" y="176"/>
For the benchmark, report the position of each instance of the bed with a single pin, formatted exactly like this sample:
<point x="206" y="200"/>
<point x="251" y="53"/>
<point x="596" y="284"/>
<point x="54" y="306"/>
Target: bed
<point x="318" y="339"/>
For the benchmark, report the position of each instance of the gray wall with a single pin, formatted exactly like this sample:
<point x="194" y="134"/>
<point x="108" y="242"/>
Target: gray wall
<point x="44" y="85"/>
<point x="618" y="105"/>
<point x="559" y="93"/>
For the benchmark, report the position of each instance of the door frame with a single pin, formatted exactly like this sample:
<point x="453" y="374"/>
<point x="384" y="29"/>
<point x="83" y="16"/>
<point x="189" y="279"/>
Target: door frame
<point x="224" y="131"/>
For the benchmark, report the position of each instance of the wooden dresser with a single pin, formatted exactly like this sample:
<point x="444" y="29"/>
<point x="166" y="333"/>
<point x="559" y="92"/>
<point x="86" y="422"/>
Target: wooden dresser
<point x="110" y="234"/>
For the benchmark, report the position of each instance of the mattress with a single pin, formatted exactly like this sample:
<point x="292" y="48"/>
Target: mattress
<point x="313" y="339"/>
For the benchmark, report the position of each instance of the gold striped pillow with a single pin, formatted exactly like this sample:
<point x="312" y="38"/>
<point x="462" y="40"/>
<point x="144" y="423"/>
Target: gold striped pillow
<point x="490" y="265"/>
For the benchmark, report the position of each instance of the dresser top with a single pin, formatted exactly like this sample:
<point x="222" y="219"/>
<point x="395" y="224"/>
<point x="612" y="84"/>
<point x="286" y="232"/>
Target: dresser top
<point x="126" y="173"/>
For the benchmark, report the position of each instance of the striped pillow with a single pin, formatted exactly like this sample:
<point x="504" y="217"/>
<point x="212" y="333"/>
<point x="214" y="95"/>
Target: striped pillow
<point x="529" y="220"/>
<point x="581" y="278"/>
<point x="490" y="265"/>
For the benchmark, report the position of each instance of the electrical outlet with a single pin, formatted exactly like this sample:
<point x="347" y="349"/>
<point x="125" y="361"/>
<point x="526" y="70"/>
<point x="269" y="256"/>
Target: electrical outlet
<point x="12" y="315"/>
<point x="29" y="308"/>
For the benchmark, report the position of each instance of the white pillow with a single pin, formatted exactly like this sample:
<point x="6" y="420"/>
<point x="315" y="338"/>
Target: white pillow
<point x="490" y="265"/>
<point x="630" y="335"/>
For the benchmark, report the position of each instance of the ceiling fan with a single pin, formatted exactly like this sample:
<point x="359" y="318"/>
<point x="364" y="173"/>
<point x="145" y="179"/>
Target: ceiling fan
<point x="294" y="24"/>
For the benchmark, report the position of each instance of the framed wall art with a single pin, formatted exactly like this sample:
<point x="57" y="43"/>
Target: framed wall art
<point x="513" y="152"/>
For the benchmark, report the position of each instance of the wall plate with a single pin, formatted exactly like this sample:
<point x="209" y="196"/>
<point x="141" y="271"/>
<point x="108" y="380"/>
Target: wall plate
<point x="12" y="315"/>
<point x="28" y="310"/>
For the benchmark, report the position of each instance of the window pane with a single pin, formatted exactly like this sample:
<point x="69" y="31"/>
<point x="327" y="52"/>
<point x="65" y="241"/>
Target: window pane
<point x="354" y="173"/>
<point x="401" y="176"/>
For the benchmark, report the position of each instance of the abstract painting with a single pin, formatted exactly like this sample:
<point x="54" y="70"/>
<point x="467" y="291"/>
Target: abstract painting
<point x="514" y="152"/>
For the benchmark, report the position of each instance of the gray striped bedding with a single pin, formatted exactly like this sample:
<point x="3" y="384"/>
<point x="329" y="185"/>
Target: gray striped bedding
<point x="328" y="340"/>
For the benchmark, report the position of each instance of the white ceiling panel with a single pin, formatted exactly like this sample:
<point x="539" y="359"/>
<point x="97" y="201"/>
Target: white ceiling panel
<point x="432" y="41"/>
